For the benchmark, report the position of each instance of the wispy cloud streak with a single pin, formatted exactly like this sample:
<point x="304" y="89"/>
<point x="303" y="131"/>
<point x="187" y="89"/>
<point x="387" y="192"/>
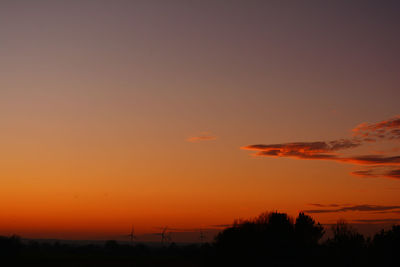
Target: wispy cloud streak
<point x="377" y="172"/>
<point x="389" y="220"/>
<point x="324" y="205"/>
<point x="304" y="150"/>
<point x="206" y="136"/>
<point x="363" y="208"/>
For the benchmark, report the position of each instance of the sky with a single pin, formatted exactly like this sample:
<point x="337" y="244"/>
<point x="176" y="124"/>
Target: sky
<point x="191" y="114"/>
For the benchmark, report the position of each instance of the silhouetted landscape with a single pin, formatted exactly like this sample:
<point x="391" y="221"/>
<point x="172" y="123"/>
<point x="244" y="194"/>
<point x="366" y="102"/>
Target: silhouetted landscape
<point x="271" y="239"/>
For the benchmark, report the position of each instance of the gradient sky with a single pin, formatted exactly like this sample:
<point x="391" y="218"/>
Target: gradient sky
<point x="115" y="113"/>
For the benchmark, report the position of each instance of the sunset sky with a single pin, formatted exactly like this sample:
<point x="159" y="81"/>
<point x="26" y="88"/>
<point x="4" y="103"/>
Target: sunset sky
<point x="194" y="113"/>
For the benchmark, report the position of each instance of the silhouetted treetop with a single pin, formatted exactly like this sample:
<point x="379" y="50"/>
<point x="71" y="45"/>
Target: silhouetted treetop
<point x="271" y="233"/>
<point x="307" y="231"/>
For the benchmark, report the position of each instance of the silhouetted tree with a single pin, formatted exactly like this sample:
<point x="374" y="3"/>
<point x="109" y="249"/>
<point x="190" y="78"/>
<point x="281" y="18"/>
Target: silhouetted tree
<point x="307" y="232"/>
<point x="274" y="235"/>
<point x="385" y="246"/>
<point x="347" y="245"/>
<point x="346" y="236"/>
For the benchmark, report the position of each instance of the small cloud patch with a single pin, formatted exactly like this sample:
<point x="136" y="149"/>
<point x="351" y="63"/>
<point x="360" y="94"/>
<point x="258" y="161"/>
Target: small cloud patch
<point x="205" y="136"/>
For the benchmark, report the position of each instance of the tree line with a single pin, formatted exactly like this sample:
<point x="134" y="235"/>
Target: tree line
<point x="270" y="239"/>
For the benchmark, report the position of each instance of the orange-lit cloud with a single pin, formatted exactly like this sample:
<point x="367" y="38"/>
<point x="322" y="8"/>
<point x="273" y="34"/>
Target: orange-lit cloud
<point x="321" y="150"/>
<point x="379" y="172"/>
<point x="304" y="150"/>
<point x="389" y="220"/>
<point x="387" y="129"/>
<point x="206" y="136"/>
<point x="372" y="160"/>
<point x="324" y="205"/>
<point x="363" y="208"/>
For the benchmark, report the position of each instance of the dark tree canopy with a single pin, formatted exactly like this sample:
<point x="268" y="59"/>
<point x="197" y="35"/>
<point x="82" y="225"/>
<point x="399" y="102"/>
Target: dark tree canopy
<point x="307" y="231"/>
<point x="270" y="239"/>
<point x="274" y="234"/>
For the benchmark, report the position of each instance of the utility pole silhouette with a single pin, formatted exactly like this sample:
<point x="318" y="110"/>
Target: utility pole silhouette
<point x="202" y="236"/>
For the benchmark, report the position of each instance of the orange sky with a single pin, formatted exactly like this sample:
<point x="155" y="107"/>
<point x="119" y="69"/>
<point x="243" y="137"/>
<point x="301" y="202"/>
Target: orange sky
<point x="123" y="113"/>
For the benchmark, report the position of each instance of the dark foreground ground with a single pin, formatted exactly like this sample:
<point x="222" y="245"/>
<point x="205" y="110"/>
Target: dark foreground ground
<point x="110" y="254"/>
<point x="272" y="239"/>
<point x="16" y="253"/>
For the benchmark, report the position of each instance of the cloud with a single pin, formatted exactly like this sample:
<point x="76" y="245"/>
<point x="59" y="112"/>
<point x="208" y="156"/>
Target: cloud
<point x="363" y="208"/>
<point x="395" y="173"/>
<point x="179" y="230"/>
<point x="366" y="173"/>
<point x="304" y="150"/>
<point x="388" y="220"/>
<point x="376" y="172"/>
<point x="323" y="205"/>
<point x="220" y="225"/>
<point x="202" y="137"/>
<point x="393" y="211"/>
<point x="388" y="129"/>
<point x="320" y="150"/>
<point x="331" y="150"/>
<point x="372" y="160"/>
